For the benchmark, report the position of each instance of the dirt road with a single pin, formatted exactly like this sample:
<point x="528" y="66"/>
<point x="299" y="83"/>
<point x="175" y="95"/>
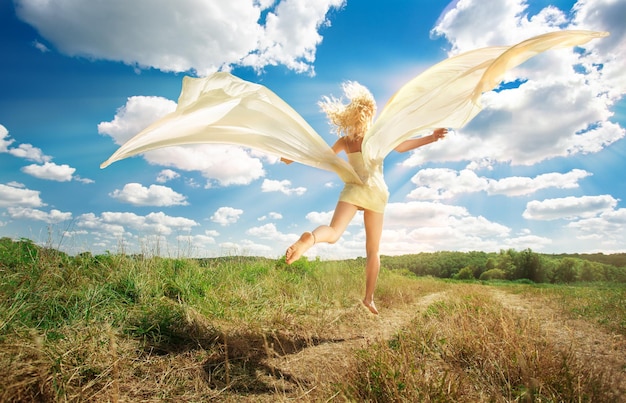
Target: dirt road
<point x="296" y="370"/>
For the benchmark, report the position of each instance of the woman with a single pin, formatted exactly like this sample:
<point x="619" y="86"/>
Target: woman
<point x="351" y="122"/>
<point x="222" y="108"/>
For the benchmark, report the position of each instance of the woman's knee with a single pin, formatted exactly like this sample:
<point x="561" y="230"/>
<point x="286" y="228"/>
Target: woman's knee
<point x="334" y="237"/>
<point x="372" y="251"/>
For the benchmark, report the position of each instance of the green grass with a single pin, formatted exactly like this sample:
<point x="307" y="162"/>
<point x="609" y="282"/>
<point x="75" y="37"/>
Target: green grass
<point x="133" y="328"/>
<point x="600" y="303"/>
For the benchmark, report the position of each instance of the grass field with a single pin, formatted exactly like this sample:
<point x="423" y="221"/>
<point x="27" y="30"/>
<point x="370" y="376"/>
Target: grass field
<point x="129" y="328"/>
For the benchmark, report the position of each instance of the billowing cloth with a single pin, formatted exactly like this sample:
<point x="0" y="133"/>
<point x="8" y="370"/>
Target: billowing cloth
<point x="222" y="108"/>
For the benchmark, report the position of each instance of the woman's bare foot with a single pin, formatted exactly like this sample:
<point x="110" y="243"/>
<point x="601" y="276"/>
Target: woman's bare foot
<point x="370" y="305"/>
<point x="297" y="249"/>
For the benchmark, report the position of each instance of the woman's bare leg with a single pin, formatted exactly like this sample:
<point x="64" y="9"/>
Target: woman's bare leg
<point x="373" y="232"/>
<point x="344" y="213"/>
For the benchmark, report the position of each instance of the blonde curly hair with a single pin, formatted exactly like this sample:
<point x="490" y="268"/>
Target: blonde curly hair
<point x="354" y="118"/>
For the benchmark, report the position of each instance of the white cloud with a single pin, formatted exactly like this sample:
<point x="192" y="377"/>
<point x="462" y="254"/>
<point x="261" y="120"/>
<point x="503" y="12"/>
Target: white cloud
<point x="283" y="186"/>
<point x="26" y="151"/>
<point x="97" y="225"/>
<point x="200" y="35"/>
<point x="569" y="207"/>
<point x="5" y="141"/>
<point x="54" y="216"/>
<point x="50" y="171"/>
<point x="41" y="47"/>
<point x="422" y="227"/>
<point x="320" y="218"/>
<point x="155" y="195"/>
<point x="229" y="165"/>
<point x="83" y="180"/>
<point x="197" y="245"/>
<point x="16" y="195"/>
<point x="121" y="223"/>
<point x="442" y="183"/>
<point x="607" y="229"/>
<point x="226" y="216"/>
<point x="271" y="216"/>
<point x="134" y="116"/>
<point x="269" y="231"/>
<point x="292" y="29"/>
<point x="518" y="125"/>
<point x="167" y="175"/>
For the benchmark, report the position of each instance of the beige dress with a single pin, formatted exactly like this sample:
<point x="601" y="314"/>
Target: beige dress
<point x="372" y="194"/>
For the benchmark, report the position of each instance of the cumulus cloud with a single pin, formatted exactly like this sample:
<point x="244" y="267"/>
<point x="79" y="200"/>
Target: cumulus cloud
<point x="228" y="165"/>
<point x="54" y="216"/>
<point x="226" y="215"/>
<point x="269" y="232"/>
<point x="443" y="183"/>
<point x="559" y="104"/>
<point x="26" y="151"/>
<point x="134" y="116"/>
<point x="15" y="195"/>
<point x="606" y="229"/>
<point x="283" y="186"/>
<point x="5" y="141"/>
<point x="123" y="223"/>
<point x="186" y="35"/>
<point x="271" y="216"/>
<point x="167" y="175"/>
<point x="29" y="152"/>
<point x="47" y="170"/>
<point x="50" y="171"/>
<point x="569" y="207"/>
<point x="197" y="245"/>
<point x="154" y="195"/>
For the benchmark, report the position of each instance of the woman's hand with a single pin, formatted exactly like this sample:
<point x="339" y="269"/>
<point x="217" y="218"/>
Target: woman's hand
<point x="439" y="133"/>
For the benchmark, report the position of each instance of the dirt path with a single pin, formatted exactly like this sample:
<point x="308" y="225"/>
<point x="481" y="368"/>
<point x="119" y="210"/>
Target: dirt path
<point x="299" y="372"/>
<point x="327" y="362"/>
<point x="589" y="343"/>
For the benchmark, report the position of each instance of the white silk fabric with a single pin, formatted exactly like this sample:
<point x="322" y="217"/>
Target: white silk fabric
<point x="222" y="108"/>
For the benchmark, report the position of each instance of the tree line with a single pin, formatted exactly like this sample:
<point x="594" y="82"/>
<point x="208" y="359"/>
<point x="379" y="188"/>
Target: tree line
<point x="513" y="265"/>
<point x="504" y="265"/>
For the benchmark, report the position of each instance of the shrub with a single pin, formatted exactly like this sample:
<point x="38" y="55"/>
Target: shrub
<point x="493" y="274"/>
<point x="465" y="273"/>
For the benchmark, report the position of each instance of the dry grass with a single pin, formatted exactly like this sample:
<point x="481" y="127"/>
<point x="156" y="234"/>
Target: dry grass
<point x="471" y="348"/>
<point x="118" y="328"/>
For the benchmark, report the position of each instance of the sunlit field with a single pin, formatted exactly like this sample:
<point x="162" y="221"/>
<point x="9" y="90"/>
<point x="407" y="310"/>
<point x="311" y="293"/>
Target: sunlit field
<point x="116" y="327"/>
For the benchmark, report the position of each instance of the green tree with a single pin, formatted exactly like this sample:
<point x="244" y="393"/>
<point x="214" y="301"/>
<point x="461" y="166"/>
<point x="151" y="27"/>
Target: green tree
<point x="466" y="273"/>
<point x="493" y="274"/>
<point x="565" y="271"/>
<point x="528" y="265"/>
<point x="506" y="263"/>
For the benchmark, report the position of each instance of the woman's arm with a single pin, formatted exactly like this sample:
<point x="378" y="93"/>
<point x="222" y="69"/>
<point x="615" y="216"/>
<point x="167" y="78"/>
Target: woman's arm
<point x="339" y="146"/>
<point x="412" y="144"/>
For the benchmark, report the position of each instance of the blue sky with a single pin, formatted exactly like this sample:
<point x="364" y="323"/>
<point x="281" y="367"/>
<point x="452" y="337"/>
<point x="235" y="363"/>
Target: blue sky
<point x="542" y="166"/>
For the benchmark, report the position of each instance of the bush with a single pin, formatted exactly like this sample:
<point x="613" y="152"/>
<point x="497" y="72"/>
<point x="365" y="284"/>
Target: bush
<point x="465" y="273"/>
<point x="493" y="274"/>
